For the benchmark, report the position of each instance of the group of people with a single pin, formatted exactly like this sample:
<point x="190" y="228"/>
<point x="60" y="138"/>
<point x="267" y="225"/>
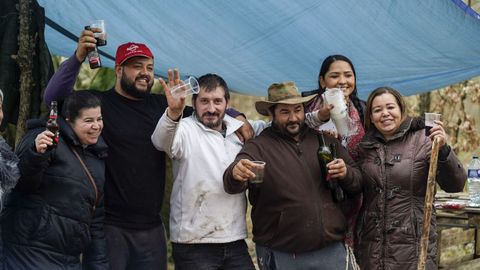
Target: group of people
<point x="93" y="200"/>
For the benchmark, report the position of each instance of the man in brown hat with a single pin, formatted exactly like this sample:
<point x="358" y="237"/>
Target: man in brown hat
<point x="296" y="223"/>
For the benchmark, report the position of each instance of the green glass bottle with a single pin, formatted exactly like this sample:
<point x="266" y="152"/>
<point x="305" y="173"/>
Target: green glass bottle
<point x="326" y="155"/>
<point x="337" y="191"/>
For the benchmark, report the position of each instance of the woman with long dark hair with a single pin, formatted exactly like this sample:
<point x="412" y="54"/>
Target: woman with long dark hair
<point x="337" y="71"/>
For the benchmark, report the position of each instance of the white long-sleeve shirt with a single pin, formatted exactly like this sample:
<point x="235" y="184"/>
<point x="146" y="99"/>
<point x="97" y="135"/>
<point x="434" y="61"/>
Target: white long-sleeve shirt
<point x="201" y="210"/>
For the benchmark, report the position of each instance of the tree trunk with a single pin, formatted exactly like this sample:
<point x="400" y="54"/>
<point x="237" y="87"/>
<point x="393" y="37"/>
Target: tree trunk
<point x="24" y="58"/>
<point x="424" y="103"/>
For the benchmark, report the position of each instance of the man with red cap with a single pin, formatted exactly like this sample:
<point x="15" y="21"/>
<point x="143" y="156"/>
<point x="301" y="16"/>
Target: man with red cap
<point x="135" y="170"/>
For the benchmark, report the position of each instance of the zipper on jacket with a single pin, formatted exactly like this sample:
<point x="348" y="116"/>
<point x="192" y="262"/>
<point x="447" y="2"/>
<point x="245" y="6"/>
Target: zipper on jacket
<point x="385" y="188"/>
<point x="313" y="185"/>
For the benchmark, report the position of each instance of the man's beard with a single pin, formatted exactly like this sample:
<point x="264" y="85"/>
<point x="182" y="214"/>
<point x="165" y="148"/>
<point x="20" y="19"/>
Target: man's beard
<point x="285" y="131"/>
<point x="130" y="88"/>
<point x="211" y="125"/>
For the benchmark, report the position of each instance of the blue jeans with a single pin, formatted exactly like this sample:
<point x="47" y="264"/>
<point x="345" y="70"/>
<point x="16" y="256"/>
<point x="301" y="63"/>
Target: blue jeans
<point x="332" y="257"/>
<point x="233" y="255"/>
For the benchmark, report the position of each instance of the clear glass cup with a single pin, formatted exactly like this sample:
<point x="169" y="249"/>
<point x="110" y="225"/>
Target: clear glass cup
<point x="101" y="37"/>
<point x="258" y="170"/>
<point x="430" y="121"/>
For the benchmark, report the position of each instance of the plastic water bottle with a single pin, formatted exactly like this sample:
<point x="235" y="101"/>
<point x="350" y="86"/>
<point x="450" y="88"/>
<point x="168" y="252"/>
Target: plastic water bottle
<point x="474" y="181"/>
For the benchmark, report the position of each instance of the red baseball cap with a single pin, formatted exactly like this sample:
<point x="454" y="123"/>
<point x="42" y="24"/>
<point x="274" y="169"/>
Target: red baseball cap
<point x="131" y="49"/>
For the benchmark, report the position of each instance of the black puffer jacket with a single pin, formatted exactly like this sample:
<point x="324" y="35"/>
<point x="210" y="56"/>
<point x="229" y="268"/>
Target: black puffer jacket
<point x="50" y="218"/>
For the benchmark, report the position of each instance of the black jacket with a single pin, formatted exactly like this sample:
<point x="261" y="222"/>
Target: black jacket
<point x="50" y="218"/>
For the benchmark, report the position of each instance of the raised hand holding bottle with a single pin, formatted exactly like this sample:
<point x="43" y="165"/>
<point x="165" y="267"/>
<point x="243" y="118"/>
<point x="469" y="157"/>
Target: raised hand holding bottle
<point x="52" y="125"/>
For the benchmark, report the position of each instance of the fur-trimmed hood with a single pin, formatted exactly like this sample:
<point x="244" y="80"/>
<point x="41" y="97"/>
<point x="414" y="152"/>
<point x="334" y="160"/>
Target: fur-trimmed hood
<point x="9" y="173"/>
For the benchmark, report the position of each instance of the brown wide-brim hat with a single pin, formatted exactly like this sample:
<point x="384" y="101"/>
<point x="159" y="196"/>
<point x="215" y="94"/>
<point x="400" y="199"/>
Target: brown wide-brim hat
<point x="284" y="93"/>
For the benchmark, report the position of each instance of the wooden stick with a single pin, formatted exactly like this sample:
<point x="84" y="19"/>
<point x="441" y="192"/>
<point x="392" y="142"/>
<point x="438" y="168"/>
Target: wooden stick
<point x="428" y="208"/>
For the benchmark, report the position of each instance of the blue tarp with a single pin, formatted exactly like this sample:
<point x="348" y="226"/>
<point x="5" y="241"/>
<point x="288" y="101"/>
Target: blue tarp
<point x="414" y="46"/>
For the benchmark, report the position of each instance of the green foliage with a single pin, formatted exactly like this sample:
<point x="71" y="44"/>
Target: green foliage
<point x="56" y="60"/>
<point x="98" y="79"/>
<point x="104" y="79"/>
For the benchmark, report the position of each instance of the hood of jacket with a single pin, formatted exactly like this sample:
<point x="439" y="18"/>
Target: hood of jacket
<point x="410" y="124"/>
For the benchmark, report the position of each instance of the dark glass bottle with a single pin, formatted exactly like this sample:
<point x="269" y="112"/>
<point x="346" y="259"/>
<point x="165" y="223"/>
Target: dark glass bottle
<point x="325" y="155"/>
<point x="337" y="191"/>
<point x="94" y="59"/>
<point x="93" y="56"/>
<point x="52" y="125"/>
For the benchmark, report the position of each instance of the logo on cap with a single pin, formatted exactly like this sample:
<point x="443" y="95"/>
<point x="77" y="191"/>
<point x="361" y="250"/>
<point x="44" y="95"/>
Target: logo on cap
<point x="132" y="47"/>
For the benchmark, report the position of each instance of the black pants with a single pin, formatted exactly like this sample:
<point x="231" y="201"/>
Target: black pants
<point x="136" y="249"/>
<point x="224" y="256"/>
<point x="332" y="257"/>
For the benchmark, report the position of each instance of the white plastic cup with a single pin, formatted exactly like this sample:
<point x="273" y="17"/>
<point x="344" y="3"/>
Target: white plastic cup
<point x="188" y="87"/>
<point x="101" y="37"/>
<point x="339" y="113"/>
<point x="258" y="170"/>
<point x="335" y="96"/>
<point x="429" y="121"/>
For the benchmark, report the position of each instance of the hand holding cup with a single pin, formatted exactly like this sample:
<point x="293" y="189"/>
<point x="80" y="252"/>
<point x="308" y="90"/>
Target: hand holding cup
<point x="434" y="128"/>
<point x="430" y="121"/>
<point x="86" y="43"/>
<point x="323" y="113"/>
<point x="258" y="169"/>
<point x="188" y="87"/>
<point x="247" y="170"/>
<point x="175" y="105"/>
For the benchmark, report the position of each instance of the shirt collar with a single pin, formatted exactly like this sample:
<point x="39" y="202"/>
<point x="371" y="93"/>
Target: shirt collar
<point x="229" y="122"/>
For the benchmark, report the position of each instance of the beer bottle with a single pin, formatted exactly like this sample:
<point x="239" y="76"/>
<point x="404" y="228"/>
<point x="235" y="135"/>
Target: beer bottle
<point x="93" y="56"/>
<point x="52" y="125"/>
